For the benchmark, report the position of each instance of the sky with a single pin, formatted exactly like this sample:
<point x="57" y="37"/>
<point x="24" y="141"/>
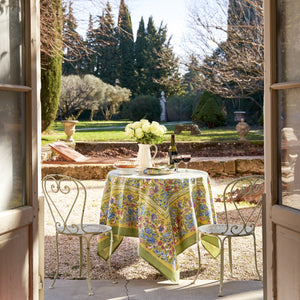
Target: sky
<point x="172" y="13"/>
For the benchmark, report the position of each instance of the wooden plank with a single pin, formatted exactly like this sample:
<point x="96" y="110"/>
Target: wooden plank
<point x="14" y="218"/>
<point x="285" y="85"/>
<point x="67" y="153"/>
<point x="72" y="155"/>
<point x="15" y="264"/>
<point x="286" y="217"/>
<point x="15" y="88"/>
<point x="288" y="266"/>
<point x="270" y="144"/>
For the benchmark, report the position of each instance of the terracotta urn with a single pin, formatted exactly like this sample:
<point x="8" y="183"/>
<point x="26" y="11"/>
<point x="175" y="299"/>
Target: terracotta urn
<point x="242" y="128"/>
<point x="69" y="129"/>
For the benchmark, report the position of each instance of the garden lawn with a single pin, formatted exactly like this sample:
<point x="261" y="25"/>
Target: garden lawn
<point x="109" y="131"/>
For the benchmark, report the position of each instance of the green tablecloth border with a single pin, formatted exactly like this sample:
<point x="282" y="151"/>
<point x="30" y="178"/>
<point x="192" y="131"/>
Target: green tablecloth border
<point x="169" y="274"/>
<point x="103" y="246"/>
<point x="211" y="244"/>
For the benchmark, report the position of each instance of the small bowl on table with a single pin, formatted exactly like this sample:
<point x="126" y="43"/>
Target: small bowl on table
<point x="126" y="166"/>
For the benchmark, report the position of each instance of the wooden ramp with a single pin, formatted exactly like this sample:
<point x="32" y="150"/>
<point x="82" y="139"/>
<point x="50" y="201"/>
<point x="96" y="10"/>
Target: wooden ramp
<point x="72" y="155"/>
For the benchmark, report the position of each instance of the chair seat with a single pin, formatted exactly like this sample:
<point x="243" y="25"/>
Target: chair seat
<point x="75" y="229"/>
<point x="221" y="229"/>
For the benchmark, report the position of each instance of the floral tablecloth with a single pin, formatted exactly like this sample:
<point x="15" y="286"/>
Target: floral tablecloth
<point x="162" y="211"/>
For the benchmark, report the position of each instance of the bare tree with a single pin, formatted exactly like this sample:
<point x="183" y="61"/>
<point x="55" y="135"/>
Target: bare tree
<point x="226" y="38"/>
<point x="51" y="17"/>
<point x="73" y="96"/>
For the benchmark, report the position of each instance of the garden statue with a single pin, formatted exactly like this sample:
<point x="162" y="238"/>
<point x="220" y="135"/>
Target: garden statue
<point x="163" y="115"/>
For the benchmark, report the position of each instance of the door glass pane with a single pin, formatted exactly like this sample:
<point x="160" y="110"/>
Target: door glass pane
<point x="289" y="116"/>
<point x="289" y="104"/>
<point x="12" y="150"/>
<point x="289" y="41"/>
<point x="12" y="42"/>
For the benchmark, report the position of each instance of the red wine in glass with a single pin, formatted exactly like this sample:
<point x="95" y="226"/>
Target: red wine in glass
<point x="186" y="158"/>
<point x="177" y="159"/>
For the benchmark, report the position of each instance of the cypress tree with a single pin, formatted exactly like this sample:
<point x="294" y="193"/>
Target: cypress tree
<point x="141" y="58"/>
<point x="72" y="43"/>
<point x="148" y="86"/>
<point x="107" y="47"/>
<point x="126" y="47"/>
<point x="52" y="68"/>
<point x="89" y="57"/>
<point x="170" y="80"/>
<point x="161" y="68"/>
<point x="192" y="78"/>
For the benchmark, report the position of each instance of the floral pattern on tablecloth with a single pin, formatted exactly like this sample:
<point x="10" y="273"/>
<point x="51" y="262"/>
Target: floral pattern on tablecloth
<point x="161" y="211"/>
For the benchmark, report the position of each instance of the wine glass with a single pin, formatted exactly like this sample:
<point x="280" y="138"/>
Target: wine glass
<point x="186" y="158"/>
<point x="177" y="159"/>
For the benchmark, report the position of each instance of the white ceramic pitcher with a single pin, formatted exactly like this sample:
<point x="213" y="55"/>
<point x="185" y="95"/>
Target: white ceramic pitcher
<point x="144" y="158"/>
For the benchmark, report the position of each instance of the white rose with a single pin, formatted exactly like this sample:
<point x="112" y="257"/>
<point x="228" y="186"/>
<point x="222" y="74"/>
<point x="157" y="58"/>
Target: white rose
<point x="136" y="125"/>
<point x="144" y="121"/>
<point x="128" y="126"/>
<point x="164" y="128"/>
<point x="129" y="132"/>
<point x="156" y="124"/>
<point x="139" y="133"/>
<point x="156" y="132"/>
<point x="154" y="127"/>
<point x="146" y="127"/>
<point x="161" y="131"/>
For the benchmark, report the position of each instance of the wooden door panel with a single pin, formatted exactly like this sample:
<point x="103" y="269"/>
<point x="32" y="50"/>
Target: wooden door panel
<point x="14" y="264"/>
<point x="19" y="150"/>
<point x="288" y="263"/>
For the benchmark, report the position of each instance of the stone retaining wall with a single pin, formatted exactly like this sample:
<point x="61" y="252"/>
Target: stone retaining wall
<point x="202" y="149"/>
<point x="215" y="168"/>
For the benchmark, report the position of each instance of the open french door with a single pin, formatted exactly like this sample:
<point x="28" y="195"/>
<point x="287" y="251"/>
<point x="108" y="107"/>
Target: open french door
<point x="282" y="149"/>
<point x="19" y="149"/>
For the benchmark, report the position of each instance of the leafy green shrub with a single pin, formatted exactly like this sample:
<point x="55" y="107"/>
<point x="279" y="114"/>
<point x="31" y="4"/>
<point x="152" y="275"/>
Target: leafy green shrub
<point x="180" y="108"/>
<point x="145" y="106"/>
<point x="208" y="111"/>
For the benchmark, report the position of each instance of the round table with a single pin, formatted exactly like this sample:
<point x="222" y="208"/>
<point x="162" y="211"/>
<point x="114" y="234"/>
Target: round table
<point x="163" y="211"/>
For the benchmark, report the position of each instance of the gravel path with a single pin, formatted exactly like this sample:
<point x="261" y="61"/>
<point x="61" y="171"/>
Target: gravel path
<point x="127" y="264"/>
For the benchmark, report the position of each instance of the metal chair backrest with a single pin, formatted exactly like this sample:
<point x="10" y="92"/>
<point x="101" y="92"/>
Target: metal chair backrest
<point x="71" y="195"/>
<point x="249" y="189"/>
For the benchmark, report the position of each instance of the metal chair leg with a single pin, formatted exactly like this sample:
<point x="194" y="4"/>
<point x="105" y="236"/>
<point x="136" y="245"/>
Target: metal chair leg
<point x="88" y="265"/>
<point x="109" y="258"/>
<point x="255" y="257"/>
<point x="57" y="263"/>
<point x="221" y="267"/>
<point x="199" y="257"/>
<point x="230" y="254"/>
<point x="80" y="259"/>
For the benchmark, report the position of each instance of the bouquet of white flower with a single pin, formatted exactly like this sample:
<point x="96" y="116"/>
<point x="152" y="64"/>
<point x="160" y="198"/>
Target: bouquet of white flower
<point x="145" y="132"/>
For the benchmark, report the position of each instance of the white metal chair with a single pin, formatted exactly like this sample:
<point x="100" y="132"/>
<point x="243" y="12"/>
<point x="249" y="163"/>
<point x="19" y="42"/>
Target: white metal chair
<point x="69" y="220"/>
<point x="250" y="189"/>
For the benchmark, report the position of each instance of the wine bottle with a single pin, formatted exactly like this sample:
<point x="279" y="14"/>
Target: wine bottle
<point x="172" y="150"/>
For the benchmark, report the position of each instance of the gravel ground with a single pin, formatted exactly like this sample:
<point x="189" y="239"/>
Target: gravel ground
<point x="126" y="263"/>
